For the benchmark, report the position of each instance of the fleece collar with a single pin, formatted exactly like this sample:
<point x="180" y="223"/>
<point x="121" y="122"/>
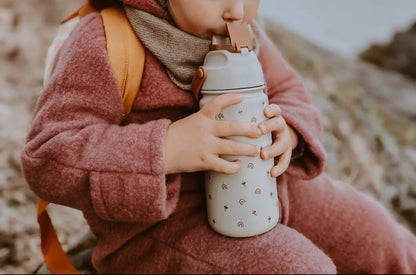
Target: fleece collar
<point x="154" y="7"/>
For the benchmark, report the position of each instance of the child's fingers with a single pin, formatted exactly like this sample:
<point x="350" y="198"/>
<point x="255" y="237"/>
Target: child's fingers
<point x="231" y="147"/>
<point x="217" y="104"/>
<point x="282" y="164"/>
<point x="272" y="110"/>
<point x="275" y="124"/>
<point x="226" y="167"/>
<point x="275" y="150"/>
<point x="236" y="128"/>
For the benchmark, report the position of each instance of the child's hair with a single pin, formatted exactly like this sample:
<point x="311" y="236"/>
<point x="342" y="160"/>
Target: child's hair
<point x="102" y="4"/>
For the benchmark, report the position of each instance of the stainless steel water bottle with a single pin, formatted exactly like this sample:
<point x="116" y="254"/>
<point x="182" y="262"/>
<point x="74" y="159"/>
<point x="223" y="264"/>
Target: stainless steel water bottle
<point x="244" y="204"/>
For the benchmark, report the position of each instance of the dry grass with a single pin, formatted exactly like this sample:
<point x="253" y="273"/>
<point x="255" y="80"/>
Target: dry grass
<point x="370" y="140"/>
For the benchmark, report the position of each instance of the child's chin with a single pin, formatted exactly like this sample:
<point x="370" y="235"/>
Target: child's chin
<point x="205" y="35"/>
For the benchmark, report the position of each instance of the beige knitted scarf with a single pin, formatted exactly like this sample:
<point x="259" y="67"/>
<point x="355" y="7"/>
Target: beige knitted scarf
<point x="181" y="53"/>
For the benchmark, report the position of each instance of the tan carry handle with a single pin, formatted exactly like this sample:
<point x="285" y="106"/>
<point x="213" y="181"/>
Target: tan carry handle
<point x="126" y="55"/>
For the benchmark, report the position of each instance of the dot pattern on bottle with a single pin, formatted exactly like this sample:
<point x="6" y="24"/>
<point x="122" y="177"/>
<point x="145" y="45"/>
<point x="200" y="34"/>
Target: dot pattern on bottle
<point x="245" y="185"/>
<point x="220" y="116"/>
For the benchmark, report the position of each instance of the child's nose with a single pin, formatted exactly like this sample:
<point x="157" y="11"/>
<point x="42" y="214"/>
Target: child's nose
<point x="234" y="10"/>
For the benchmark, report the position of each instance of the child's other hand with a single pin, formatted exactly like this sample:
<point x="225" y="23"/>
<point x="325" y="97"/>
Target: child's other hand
<point x="194" y="143"/>
<point x="284" y="139"/>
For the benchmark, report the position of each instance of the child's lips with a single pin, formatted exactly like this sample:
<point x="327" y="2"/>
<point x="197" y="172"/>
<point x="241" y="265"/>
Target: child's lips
<point x="222" y="30"/>
<point x="219" y="33"/>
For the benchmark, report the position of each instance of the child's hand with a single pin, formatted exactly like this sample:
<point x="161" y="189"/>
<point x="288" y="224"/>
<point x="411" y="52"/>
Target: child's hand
<point x="284" y="139"/>
<point x="194" y="143"/>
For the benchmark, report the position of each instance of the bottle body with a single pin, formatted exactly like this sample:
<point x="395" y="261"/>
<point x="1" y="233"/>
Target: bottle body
<point x="244" y="204"/>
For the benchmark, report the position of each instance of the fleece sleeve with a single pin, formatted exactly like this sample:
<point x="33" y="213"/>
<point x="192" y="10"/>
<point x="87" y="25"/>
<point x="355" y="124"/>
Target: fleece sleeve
<point x="78" y="154"/>
<point x="285" y="88"/>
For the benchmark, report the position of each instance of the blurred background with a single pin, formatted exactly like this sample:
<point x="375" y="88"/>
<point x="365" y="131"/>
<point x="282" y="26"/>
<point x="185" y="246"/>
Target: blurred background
<point x="346" y="27"/>
<point x="357" y="59"/>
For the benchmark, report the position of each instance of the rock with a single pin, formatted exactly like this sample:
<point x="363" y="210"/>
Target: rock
<point x="8" y="41"/>
<point x="398" y="55"/>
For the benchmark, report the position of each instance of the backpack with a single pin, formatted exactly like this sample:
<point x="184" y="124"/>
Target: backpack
<point x="126" y="55"/>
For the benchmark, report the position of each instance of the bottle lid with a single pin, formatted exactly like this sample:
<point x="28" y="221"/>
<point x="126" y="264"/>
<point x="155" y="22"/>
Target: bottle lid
<point x="232" y="64"/>
<point x="230" y="71"/>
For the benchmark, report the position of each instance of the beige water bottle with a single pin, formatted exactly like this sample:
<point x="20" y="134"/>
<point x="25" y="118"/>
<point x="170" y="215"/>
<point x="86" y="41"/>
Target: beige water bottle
<point x="244" y="204"/>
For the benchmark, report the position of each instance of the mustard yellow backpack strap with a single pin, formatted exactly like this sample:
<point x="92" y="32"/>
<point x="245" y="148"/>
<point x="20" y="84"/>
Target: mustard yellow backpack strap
<point x="126" y="55"/>
<point x="126" y="58"/>
<point x="55" y="257"/>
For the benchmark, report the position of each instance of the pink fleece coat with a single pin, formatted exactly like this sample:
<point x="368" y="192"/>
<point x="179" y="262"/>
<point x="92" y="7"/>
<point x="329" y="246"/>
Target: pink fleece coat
<point x="78" y="154"/>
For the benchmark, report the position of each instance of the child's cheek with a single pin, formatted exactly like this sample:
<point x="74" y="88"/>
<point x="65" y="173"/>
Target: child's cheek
<point x="251" y="11"/>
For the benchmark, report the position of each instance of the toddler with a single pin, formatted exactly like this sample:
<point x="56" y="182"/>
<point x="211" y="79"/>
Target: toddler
<point x="140" y="183"/>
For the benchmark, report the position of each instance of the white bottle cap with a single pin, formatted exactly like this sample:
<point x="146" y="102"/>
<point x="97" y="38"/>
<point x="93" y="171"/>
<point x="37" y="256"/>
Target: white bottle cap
<point x="231" y="71"/>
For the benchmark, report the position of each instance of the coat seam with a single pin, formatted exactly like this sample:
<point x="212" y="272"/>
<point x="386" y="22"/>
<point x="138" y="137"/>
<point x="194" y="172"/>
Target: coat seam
<point x="88" y="170"/>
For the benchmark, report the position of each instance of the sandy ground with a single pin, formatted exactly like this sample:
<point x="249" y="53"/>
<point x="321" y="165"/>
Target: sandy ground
<point x="371" y="143"/>
<point x="26" y="28"/>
